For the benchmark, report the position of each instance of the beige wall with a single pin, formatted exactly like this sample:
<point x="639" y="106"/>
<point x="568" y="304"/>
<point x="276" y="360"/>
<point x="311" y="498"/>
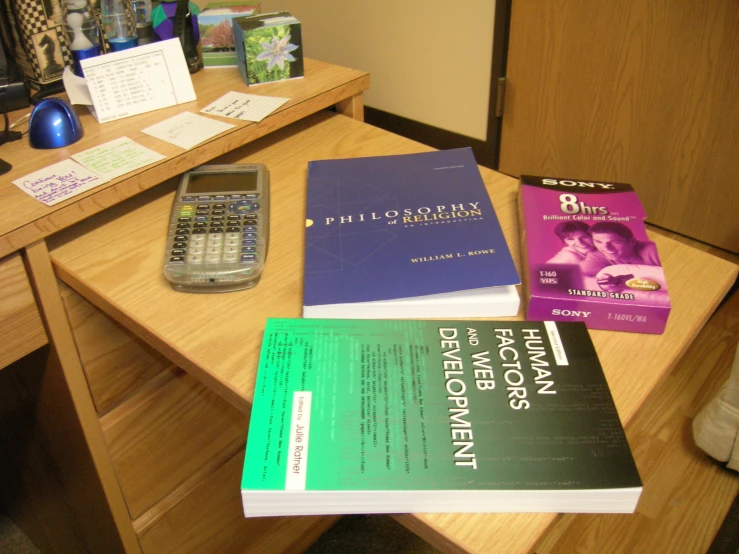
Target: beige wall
<point x="429" y="60"/>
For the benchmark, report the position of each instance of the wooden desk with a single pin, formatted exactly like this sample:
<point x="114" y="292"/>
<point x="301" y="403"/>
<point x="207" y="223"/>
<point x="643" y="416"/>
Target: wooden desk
<point x="113" y="261"/>
<point x="66" y="411"/>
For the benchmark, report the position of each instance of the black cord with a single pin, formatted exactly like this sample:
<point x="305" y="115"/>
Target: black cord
<point x="46" y="91"/>
<point x="8" y="135"/>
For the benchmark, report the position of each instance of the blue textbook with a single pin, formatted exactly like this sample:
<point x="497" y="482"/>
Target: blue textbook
<point x="405" y="236"/>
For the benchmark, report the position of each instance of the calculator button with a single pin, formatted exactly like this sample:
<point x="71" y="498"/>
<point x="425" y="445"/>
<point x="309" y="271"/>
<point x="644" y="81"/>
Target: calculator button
<point x="179" y="245"/>
<point x="219" y="197"/>
<point x="178" y="252"/>
<point x="177" y="260"/>
<point x="183" y="219"/>
<point x="188" y="199"/>
<point x="251" y="196"/>
<point x="220" y="206"/>
<point x="183" y="225"/>
<point x="233" y="229"/>
<point x="255" y="207"/>
<point x="246" y="249"/>
<point x="214" y="230"/>
<point x="198" y="231"/>
<point x="250" y="217"/>
<point x="197" y="239"/>
<point x="203" y="198"/>
<point x="201" y="218"/>
<point x="212" y="258"/>
<point x="218" y="212"/>
<point x="250" y="228"/>
<point x="197" y="250"/>
<point x="234" y="218"/>
<point x="249" y="242"/>
<point x="195" y="259"/>
<point x="217" y="218"/>
<point x="200" y="224"/>
<point x="179" y="238"/>
<point x="203" y="207"/>
<point x="236" y="197"/>
<point x="250" y="235"/>
<point x="248" y="257"/>
<point x="240" y="207"/>
<point x="231" y="242"/>
<point x="233" y="235"/>
<point x="230" y="249"/>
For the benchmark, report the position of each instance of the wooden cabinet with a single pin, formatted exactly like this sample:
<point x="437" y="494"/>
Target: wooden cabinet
<point x="175" y="446"/>
<point x="635" y="92"/>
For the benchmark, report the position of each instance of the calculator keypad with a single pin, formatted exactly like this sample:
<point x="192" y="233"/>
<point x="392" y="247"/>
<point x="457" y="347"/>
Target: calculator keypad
<point x="216" y="230"/>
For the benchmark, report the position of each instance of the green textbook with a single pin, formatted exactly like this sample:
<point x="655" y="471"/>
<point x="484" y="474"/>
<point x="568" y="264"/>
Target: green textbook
<point x="404" y="416"/>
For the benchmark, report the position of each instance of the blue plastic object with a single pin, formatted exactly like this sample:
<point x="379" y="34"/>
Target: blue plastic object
<point x="54" y="124"/>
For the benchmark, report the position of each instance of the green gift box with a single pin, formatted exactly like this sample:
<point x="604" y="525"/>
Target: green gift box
<point x="269" y="47"/>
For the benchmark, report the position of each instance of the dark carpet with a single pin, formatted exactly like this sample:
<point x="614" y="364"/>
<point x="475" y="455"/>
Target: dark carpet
<point x="726" y="540"/>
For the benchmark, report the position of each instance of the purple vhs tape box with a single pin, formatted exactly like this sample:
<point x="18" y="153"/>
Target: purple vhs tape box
<point x="587" y="256"/>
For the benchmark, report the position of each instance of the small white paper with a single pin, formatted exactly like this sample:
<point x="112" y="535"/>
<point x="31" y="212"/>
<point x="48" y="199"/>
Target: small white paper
<point x="187" y="129"/>
<point x="58" y="182"/>
<point x="248" y="107"/>
<point x="117" y="157"/>
<point x="76" y="88"/>
<point x="136" y="80"/>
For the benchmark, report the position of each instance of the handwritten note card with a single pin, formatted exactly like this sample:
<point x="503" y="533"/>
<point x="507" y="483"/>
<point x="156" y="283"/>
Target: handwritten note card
<point x="187" y="129"/>
<point x="117" y="157"/>
<point x="138" y="80"/>
<point x="58" y="182"/>
<point x="248" y="107"/>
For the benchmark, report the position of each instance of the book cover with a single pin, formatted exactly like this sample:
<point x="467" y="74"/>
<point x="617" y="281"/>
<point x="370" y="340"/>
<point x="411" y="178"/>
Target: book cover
<point x="215" y="23"/>
<point x="587" y="256"/>
<point x="399" y="416"/>
<point x="269" y="47"/>
<point x="411" y="235"/>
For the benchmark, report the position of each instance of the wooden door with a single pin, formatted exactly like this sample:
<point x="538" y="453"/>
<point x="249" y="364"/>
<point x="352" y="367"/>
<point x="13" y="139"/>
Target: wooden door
<point x="635" y="91"/>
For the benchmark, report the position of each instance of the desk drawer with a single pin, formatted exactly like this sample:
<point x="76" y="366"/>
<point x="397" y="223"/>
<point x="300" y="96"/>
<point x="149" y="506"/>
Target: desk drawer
<point x="171" y="433"/>
<point x="21" y="328"/>
<point x="211" y="519"/>
<point x="115" y="362"/>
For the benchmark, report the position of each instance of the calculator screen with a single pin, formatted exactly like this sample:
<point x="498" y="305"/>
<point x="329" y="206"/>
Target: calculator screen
<point x="229" y="181"/>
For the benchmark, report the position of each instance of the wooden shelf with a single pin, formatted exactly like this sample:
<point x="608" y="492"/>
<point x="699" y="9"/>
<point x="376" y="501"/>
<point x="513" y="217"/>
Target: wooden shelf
<point x="21" y="328"/>
<point x="26" y="220"/>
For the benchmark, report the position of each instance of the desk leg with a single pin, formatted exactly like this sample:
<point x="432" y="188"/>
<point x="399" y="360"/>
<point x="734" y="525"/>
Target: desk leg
<point x="352" y="107"/>
<point x="66" y="363"/>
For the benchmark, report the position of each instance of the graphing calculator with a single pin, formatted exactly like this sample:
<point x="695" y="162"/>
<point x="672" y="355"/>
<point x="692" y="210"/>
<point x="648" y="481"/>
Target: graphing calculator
<point x="219" y="228"/>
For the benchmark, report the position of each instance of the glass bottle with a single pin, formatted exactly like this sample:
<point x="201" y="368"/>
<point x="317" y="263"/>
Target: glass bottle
<point x="144" y="28"/>
<point x="119" y="24"/>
